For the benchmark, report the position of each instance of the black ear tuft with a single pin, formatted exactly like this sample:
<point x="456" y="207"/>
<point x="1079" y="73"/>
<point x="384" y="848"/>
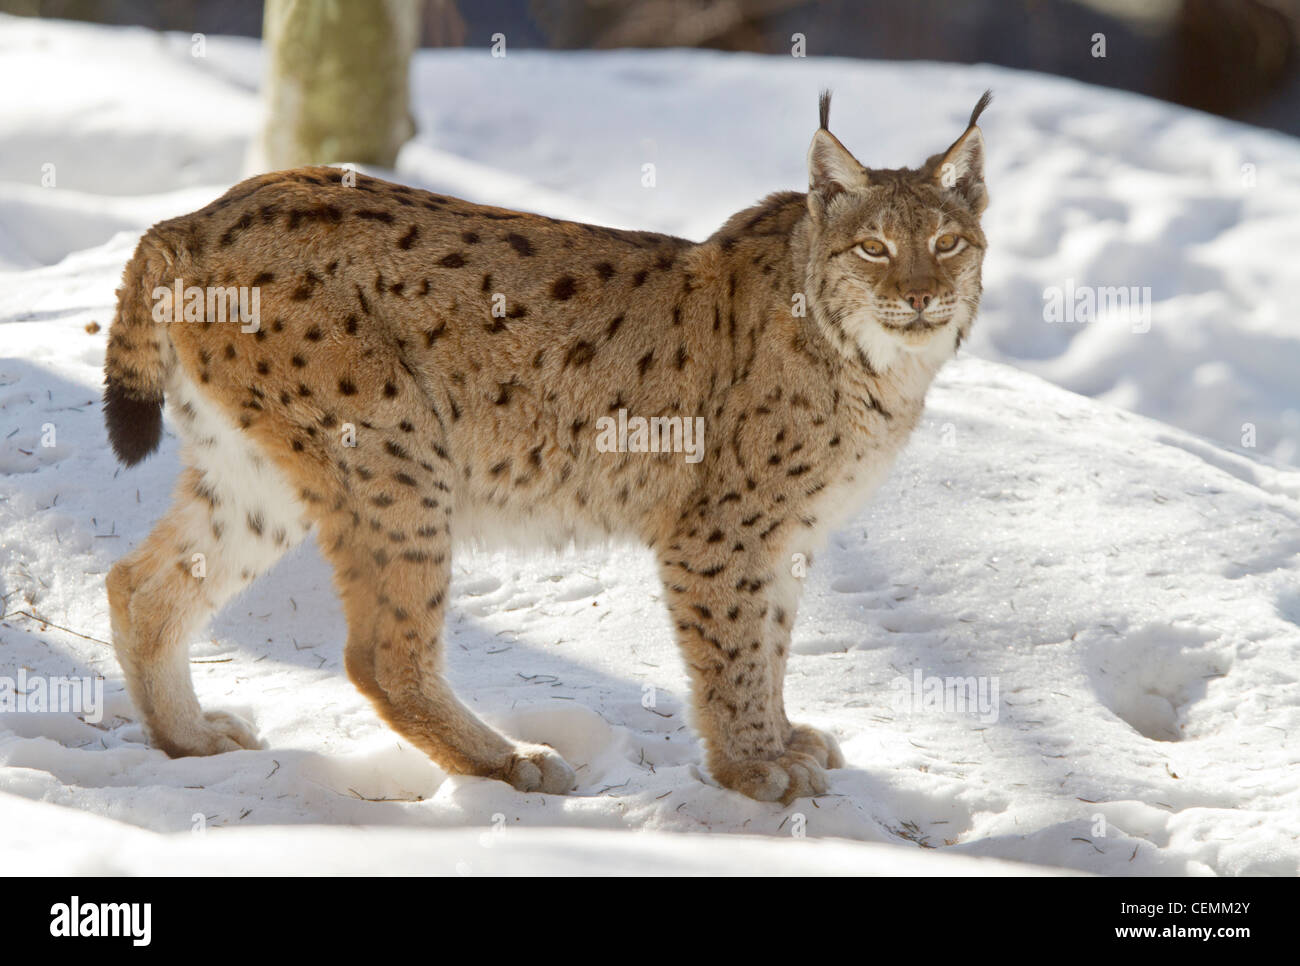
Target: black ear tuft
<point x="824" y="108"/>
<point x="984" y="101"/>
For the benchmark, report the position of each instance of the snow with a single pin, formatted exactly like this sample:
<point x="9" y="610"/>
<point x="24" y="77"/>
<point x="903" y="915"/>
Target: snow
<point x="1083" y="532"/>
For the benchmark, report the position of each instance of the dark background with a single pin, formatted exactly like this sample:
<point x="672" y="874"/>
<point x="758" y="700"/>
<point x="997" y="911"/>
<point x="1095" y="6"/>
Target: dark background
<point x="1237" y="58"/>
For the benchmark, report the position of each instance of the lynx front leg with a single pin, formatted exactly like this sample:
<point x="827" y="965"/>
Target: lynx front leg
<point x="720" y="596"/>
<point x="783" y="604"/>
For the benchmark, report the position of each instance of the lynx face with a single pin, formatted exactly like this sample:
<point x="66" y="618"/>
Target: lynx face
<point x="896" y="253"/>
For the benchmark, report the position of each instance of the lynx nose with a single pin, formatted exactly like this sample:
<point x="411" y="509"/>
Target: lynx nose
<point x="919" y="299"/>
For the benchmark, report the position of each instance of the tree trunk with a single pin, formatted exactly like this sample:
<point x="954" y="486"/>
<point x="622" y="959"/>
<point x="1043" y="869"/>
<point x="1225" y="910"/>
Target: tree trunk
<point x="337" y="82"/>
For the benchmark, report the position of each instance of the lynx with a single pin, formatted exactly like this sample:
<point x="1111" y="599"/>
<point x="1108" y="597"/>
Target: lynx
<point x="426" y="372"/>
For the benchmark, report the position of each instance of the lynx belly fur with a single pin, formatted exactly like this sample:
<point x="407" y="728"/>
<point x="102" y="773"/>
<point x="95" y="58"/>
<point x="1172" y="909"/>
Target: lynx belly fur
<point x="424" y="372"/>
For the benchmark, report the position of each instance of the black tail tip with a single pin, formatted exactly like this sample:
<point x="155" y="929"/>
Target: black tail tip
<point x="134" y="424"/>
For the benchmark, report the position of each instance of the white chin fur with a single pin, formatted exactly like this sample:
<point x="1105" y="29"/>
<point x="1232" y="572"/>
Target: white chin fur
<point x="882" y="347"/>
<point x="885" y="347"/>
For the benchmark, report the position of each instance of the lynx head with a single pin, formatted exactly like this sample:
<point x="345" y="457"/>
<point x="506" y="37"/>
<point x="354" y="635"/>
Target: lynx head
<point x="895" y="254"/>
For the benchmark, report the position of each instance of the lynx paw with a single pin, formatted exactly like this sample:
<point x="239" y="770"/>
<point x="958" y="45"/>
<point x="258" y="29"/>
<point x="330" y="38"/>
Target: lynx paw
<point x="792" y="775"/>
<point x="538" y="768"/>
<point x="213" y="733"/>
<point x="817" y="744"/>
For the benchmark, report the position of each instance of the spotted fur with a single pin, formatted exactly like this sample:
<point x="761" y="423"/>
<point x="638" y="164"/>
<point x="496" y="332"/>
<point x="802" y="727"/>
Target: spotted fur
<point x="428" y="371"/>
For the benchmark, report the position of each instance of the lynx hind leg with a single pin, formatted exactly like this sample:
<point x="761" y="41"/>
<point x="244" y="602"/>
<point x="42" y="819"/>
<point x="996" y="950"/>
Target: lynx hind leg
<point x="232" y="518"/>
<point x="387" y="533"/>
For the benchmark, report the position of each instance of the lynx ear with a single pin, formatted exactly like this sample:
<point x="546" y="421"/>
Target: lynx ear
<point x="831" y="168"/>
<point x="961" y="169"/>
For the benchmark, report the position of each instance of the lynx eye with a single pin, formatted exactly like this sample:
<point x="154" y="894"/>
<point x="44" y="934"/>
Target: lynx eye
<point x="946" y="242"/>
<point x="872" y="249"/>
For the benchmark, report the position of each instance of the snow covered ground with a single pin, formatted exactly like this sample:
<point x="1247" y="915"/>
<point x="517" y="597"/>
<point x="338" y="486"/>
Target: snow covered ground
<point x="1123" y="592"/>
